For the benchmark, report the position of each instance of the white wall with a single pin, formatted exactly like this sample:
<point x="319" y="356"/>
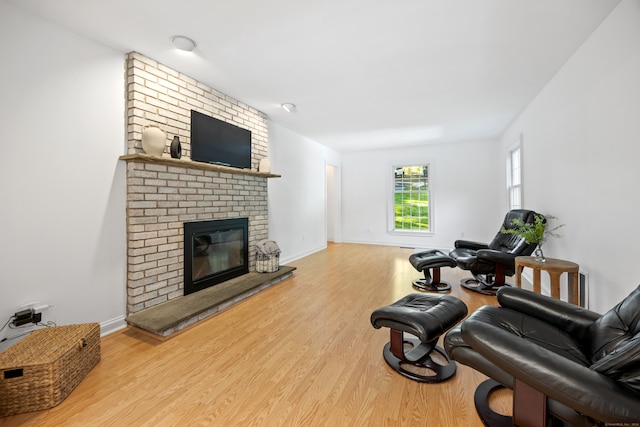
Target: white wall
<point x="465" y="189"/>
<point x="297" y="210"/>
<point x="581" y="152"/>
<point x="61" y="184"/>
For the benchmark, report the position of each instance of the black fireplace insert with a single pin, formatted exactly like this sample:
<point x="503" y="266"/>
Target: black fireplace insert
<point x="214" y="252"/>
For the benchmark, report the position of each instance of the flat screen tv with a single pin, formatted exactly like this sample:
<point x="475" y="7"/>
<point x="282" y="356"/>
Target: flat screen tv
<point x="218" y="142"/>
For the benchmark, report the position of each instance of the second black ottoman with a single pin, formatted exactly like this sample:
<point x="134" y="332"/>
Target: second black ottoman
<point x="427" y="317"/>
<point x="431" y="259"/>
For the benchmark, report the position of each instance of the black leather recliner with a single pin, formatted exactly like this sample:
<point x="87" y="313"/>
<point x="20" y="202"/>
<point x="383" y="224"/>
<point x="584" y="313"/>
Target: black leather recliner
<point x="563" y="362"/>
<point x="490" y="263"/>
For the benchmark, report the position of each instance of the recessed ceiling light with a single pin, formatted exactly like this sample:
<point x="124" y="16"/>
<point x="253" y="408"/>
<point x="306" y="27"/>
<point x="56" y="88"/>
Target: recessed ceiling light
<point x="183" y="43"/>
<point x="289" y="107"/>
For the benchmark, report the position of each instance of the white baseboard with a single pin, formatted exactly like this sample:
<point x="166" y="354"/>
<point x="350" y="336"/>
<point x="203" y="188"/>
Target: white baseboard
<point x="285" y="260"/>
<point x="110" y="326"/>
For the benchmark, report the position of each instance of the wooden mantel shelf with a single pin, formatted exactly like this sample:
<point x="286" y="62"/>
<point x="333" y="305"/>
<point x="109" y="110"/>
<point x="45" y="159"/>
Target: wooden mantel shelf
<point x="194" y="165"/>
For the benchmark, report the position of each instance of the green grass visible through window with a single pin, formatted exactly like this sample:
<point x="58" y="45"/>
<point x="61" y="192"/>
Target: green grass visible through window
<point x="411" y="198"/>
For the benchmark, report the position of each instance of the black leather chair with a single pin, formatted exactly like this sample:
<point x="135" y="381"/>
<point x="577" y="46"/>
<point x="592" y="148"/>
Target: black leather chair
<point x="567" y="365"/>
<point x="490" y="263"/>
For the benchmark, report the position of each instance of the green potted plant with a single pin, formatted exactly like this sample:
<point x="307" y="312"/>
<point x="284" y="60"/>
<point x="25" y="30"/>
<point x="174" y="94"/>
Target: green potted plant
<point x="536" y="232"/>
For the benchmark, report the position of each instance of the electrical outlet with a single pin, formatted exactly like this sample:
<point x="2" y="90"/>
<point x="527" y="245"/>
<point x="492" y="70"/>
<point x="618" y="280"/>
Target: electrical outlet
<point x="39" y="308"/>
<point x="35" y="306"/>
<point x="25" y="317"/>
<point x="31" y="314"/>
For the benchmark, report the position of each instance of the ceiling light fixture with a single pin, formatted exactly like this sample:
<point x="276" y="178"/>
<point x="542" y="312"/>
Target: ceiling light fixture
<point x="289" y="107"/>
<point x="183" y="43"/>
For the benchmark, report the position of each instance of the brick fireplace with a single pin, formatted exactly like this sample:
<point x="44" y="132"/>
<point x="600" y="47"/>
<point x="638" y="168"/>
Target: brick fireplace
<point x="164" y="193"/>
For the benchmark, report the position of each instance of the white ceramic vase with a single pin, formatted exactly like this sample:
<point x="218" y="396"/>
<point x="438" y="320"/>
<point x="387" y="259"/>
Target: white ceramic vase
<point x="264" y="166"/>
<point x="153" y="140"/>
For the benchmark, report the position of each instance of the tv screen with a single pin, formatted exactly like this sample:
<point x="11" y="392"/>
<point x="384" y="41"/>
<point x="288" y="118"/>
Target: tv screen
<point x="218" y="142"/>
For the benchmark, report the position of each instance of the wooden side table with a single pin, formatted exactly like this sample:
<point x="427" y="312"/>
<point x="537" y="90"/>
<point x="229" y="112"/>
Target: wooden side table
<point x="555" y="268"/>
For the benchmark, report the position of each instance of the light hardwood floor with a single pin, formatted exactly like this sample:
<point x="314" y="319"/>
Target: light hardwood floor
<point x="302" y="353"/>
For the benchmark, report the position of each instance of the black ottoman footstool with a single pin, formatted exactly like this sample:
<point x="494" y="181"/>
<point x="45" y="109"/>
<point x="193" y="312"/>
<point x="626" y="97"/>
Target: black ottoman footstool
<point x="425" y="260"/>
<point x="426" y="317"/>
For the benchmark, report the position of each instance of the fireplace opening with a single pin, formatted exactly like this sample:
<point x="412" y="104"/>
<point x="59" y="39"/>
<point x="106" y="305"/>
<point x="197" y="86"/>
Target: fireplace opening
<point x="214" y="252"/>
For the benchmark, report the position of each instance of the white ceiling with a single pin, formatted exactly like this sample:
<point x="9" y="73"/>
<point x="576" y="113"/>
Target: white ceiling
<point x="362" y="73"/>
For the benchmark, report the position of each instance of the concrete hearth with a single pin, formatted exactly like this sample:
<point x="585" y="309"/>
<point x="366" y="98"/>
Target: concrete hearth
<point x="166" y="319"/>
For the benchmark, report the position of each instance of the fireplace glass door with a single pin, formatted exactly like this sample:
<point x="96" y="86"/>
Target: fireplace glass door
<point x="215" y="251"/>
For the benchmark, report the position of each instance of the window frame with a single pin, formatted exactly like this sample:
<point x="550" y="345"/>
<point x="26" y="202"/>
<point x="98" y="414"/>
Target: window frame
<point x="517" y="146"/>
<point x="391" y="229"/>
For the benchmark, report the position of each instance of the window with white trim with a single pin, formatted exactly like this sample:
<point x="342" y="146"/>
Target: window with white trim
<point x="411" y="198"/>
<point x="514" y="176"/>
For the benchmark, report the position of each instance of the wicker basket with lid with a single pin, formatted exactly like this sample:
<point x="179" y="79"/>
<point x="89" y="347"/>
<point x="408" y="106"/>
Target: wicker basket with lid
<point x="40" y="371"/>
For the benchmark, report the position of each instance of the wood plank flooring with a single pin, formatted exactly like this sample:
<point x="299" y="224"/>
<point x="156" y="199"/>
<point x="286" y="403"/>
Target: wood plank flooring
<point x="302" y="353"/>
